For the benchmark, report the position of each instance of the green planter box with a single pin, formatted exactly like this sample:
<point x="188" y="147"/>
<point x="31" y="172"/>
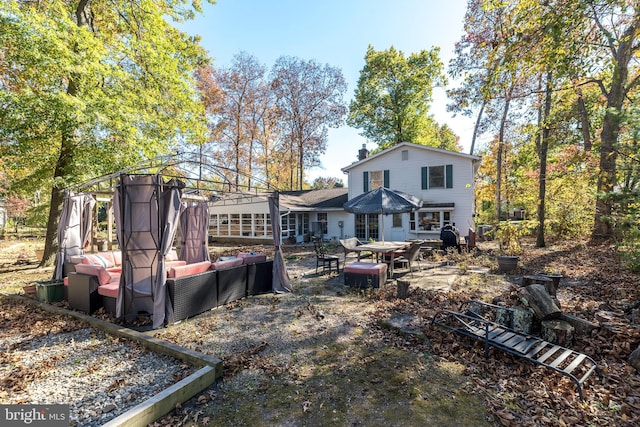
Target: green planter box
<point x="50" y="291"/>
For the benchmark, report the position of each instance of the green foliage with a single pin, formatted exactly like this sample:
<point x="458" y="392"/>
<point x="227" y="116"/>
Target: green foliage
<point x="97" y="95"/>
<point x="391" y="103"/>
<point x="331" y="182"/>
<point x="629" y="248"/>
<point x="510" y="234"/>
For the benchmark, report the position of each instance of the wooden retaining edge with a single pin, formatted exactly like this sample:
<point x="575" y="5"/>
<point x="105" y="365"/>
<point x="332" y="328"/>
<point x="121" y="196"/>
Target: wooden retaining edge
<point x="165" y="401"/>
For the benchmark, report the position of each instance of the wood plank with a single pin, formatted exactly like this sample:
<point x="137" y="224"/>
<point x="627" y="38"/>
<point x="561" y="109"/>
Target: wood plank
<point x="548" y="354"/>
<point x="504" y="337"/>
<point x="495" y="332"/>
<point x="526" y="344"/>
<point x="576" y="362"/>
<point x="561" y="358"/>
<point x="536" y="349"/>
<point x="514" y="341"/>
<point x="165" y="401"/>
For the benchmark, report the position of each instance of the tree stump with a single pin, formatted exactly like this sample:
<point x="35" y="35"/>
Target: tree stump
<point x="403" y="289"/>
<point x="542" y="304"/>
<point x="540" y="279"/>
<point x="522" y="319"/>
<point x="558" y="332"/>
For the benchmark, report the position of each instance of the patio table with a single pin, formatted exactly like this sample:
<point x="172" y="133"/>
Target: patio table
<point x="383" y="248"/>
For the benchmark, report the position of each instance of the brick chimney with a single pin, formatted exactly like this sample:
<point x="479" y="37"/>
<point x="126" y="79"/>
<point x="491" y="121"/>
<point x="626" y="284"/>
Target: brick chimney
<point x="363" y="153"/>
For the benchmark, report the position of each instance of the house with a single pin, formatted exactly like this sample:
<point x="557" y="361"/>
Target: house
<point x="443" y="180"/>
<point x="245" y="217"/>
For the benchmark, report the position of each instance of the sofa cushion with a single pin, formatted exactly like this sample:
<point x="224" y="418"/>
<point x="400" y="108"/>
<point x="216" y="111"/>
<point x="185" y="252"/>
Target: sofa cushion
<point x="252" y="257"/>
<point x="178" y="263"/>
<point x="366" y="268"/>
<point x="117" y="257"/>
<point x="103" y="259"/>
<point x="227" y="263"/>
<point x="109" y="289"/>
<point x="76" y="259"/>
<point x="103" y="275"/>
<point x="189" y="269"/>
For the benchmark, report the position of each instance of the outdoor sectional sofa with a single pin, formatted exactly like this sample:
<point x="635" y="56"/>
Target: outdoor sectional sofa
<point x="192" y="288"/>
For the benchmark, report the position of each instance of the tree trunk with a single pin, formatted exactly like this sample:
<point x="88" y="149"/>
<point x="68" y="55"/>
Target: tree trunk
<point x="603" y="226"/>
<point x="583" y="116"/>
<point x="542" y="155"/>
<point x="503" y="123"/>
<point x="477" y="127"/>
<point x="67" y="147"/>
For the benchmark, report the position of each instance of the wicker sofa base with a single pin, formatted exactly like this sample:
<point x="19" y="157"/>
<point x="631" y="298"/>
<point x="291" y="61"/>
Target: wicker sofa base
<point x="232" y="284"/>
<point x="260" y="278"/>
<point x="192" y="295"/>
<point x="82" y="293"/>
<point x="195" y="294"/>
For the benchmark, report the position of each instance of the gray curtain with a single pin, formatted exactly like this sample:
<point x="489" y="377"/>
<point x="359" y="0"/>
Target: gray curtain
<point x="146" y="211"/>
<point x="281" y="281"/>
<point x="139" y="211"/>
<point x="194" y="230"/>
<point x="169" y="216"/>
<point x="74" y="229"/>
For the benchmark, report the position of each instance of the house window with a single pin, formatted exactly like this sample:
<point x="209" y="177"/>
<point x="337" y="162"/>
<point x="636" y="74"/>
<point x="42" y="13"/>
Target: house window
<point x="234" y="225"/>
<point x="437" y="177"/>
<point x="245" y="225"/>
<point x="322" y="219"/>
<point x="367" y="226"/>
<point x="405" y="154"/>
<point x="375" y="179"/>
<point x="397" y="220"/>
<point x="429" y="220"/>
<point x="289" y="225"/>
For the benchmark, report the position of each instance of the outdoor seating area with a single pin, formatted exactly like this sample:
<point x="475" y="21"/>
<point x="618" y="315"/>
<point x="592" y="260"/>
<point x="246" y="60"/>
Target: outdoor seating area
<point x="192" y="288"/>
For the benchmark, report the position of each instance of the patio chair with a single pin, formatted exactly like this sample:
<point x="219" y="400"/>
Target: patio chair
<point x="350" y="245"/>
<point x="410" y="256"/>
<point x="324" y="259"/>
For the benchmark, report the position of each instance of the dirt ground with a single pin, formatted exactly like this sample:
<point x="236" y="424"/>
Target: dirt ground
<point x="325" y="355"/>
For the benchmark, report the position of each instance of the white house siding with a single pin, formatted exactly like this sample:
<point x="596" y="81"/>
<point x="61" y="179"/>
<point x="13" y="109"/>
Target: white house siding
<point x="405" y="175"/>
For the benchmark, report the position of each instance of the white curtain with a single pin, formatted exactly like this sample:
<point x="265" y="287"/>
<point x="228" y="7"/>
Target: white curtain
<point x="74" y="229"/>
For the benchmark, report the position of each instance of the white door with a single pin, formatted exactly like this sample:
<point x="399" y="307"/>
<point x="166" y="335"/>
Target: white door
<point x="398" y="233"/>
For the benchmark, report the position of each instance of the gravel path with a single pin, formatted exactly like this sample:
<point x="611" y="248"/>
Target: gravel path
<point x="99" y="376"/>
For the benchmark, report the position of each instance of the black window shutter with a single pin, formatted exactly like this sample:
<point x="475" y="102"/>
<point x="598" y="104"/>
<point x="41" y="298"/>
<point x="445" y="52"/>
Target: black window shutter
<point x="425" y="177"/>
<point x="386" y="178"/>
<point x="449" y="176"/>
<point x="365" y="181"/>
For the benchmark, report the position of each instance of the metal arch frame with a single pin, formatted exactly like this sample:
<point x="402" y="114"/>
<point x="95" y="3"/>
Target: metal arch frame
<point x="175" y="166"/>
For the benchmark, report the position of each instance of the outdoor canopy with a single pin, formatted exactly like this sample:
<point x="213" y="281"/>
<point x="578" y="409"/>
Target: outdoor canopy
<point x="148" y="210"/>
<point x="383" y="201"/>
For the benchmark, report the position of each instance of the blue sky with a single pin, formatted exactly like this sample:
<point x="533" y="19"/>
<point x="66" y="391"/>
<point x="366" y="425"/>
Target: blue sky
<point x="335" y="32"/>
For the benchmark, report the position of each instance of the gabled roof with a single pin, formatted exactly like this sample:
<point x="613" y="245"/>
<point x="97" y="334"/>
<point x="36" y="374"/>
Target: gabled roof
<point x="412" y="145"/>
<point x="313" y="200"/>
